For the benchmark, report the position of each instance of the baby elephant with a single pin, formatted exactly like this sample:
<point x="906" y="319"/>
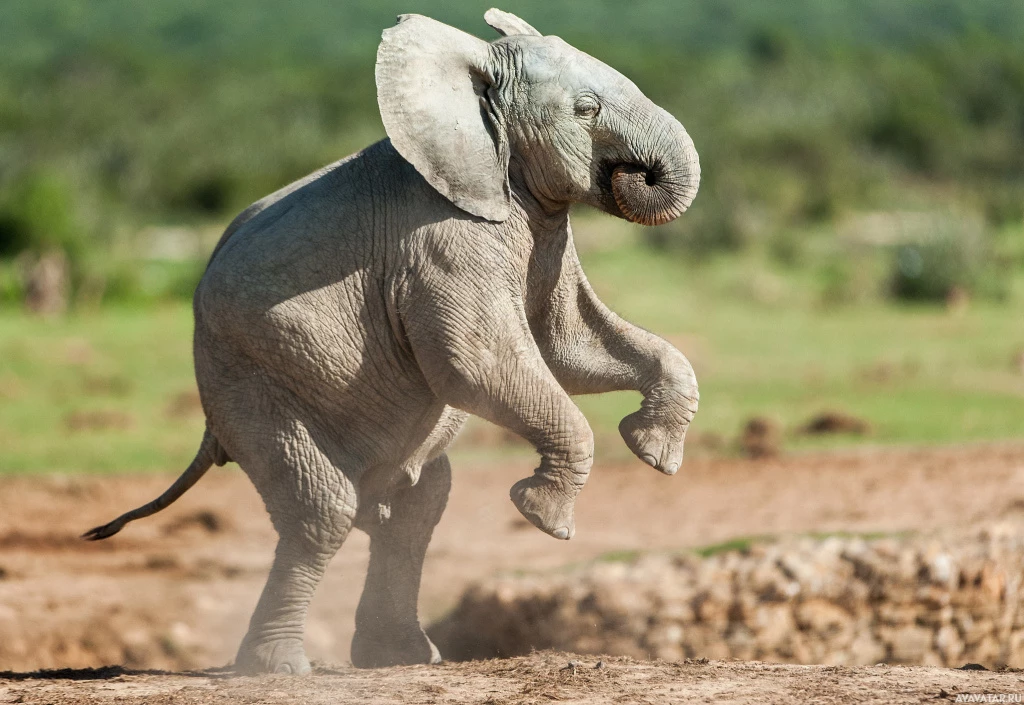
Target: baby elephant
<point x="347" y="324"/>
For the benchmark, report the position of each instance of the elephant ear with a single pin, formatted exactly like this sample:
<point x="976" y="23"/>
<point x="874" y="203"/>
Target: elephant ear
<point x="507" y="24"/>
<point x="432" y="83"/>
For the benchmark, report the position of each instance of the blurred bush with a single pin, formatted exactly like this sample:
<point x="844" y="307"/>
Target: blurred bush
<point x="36" y="214"/>
<point x="952" y="259"/>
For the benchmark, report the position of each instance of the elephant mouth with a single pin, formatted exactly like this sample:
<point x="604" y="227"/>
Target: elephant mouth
<point x="649" y="195"/>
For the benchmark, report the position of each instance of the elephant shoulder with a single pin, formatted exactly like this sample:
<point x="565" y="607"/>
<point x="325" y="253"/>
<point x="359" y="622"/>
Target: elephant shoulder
<point x="357" y="189"/>
<point x="283" y="197"/>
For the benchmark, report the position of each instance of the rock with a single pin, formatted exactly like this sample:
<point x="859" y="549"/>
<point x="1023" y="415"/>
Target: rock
<point x="865" y="650"/>
<point x="769" y="584"/>
<point x="712" y="611"/>
<point x="666" y="635"/>
<point x="949" y="644"/>
<point x="1015" y="650"/>
<point x="822" y="617"/>
<point x="907" y="644"/>
<point x="772" y="625"/>
<point x="985" y="651"/>
<point x="742" y="644"/>
<point x="669" y="652"/>
<point x="896" y="614"/>
<point x="941" y="569"/>
<point x="932" y="617"/>
<point x="993" y="581"/>
<point x="705" y="642"/>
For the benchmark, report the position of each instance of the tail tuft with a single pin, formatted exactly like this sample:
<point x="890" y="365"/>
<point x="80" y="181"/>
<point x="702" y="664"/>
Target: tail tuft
<point x="104" y="532"/>
<point x="210" y="452"/>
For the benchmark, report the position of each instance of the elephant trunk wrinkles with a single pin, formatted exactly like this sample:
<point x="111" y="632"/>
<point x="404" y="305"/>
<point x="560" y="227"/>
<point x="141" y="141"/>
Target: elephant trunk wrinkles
<point x="660" y="190"/>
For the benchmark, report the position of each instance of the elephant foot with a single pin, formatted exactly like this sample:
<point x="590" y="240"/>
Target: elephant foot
<point x="272" y="656"/>
<point x="658" y="445"/>
<point x="545" y="505"/>
<point x="373" y="649"/>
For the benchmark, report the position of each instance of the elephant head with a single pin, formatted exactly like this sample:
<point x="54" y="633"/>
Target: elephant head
<point x="528" y="116"/>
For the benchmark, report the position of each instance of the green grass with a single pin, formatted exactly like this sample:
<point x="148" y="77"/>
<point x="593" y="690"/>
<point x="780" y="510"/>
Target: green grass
<point x="745" y="543"/>
<point x="738" y="544"/>
<point x="624" y="556"/>
<point x="918" y="374"/>
<point x="741" y="544"/>
<point x="132" y="362"/>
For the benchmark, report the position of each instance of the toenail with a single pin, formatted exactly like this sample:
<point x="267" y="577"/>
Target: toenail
<point x="562" y="533"/>
<point x="649" y="459"/>
<point x="671" y="468"/>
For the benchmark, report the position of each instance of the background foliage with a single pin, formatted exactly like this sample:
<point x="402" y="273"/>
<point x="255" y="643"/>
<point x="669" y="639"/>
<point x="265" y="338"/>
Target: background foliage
<point x="115" y="115"/>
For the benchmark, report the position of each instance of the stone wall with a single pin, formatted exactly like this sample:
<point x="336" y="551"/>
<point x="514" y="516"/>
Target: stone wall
<point x="835" y="600"/>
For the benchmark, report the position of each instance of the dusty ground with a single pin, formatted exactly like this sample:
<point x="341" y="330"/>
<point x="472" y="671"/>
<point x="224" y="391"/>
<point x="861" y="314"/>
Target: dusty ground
<point x="541" y="678"/>
<point x="175" y="591"/>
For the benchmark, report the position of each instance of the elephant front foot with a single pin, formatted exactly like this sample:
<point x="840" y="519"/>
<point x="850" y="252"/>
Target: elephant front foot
<point x="546" y="505"/>
<point x="373" y="648"/>
<point x="285" y="655"/>
<point x="657" y="443"/>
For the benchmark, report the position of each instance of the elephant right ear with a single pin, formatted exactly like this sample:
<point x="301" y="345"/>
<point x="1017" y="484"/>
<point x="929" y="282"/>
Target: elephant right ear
<point x="432" y="83"/>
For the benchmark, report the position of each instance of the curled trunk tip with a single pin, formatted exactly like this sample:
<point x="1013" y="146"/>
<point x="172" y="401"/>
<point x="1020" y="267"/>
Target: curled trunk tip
<point x="650" y="197"/>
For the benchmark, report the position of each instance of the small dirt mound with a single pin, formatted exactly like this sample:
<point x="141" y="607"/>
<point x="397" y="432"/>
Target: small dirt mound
<point x="98" y="420"/>
<point x="184" y="405"/>
<point x="705" y="443"/>
<point x="205" y="520"/>
<point x="761" y="438"/>
<point x="835" y="422"/>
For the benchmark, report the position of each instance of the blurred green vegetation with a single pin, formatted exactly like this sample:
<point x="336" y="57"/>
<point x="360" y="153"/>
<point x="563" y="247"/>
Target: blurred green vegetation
<point x="115" y="115"/>
<point x="857" y="243"/>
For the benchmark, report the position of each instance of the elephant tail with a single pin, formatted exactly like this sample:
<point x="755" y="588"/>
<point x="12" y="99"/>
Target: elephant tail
<point x="210" y="452"/>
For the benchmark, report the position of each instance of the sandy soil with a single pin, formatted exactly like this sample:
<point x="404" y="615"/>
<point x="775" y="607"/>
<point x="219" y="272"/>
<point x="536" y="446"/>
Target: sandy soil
<point x="175" y="591"/>
<point x="540" y="678"/>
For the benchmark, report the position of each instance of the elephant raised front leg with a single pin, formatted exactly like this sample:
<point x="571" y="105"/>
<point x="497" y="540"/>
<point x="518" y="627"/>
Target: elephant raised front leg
<point x="483" y="360"/>
<point x="529" y="402"/>
<point x="592" y="350"/>
<point x="388" y="631"/>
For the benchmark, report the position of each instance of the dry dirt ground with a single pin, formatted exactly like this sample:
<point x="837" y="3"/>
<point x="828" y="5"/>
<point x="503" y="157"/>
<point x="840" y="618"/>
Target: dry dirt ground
<point x="544" y="677"/>
<point x="174" y="592"/>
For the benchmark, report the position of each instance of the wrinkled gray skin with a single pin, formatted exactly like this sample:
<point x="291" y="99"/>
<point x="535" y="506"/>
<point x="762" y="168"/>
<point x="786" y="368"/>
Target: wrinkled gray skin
<point x="349" y="323"/>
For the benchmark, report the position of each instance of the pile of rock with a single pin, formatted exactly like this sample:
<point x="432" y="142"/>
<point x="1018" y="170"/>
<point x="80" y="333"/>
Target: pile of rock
<point x="834" y="600"/>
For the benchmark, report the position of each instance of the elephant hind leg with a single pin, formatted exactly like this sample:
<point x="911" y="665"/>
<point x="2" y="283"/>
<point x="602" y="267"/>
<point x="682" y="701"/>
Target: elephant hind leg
<point x="274" y="642"/>
<point x="312" y="505"/>
<point x="388" y="631"/>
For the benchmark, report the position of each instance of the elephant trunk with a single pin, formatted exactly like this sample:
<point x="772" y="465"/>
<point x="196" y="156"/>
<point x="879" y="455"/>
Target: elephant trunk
<point x="661" y="188"/>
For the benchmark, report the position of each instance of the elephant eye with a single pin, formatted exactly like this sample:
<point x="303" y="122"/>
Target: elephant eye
<point x="587" y="106"/>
